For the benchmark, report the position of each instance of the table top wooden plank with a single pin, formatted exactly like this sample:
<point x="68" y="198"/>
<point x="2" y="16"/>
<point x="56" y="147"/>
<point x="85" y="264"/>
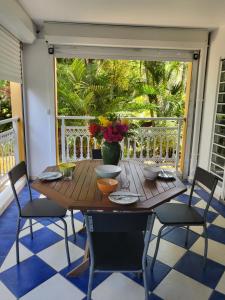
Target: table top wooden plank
<point x="82" y="193"/>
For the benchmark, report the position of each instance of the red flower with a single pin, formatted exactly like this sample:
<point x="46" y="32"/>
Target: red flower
<point x="111" y="134"/>
<point x="94" y="129"/>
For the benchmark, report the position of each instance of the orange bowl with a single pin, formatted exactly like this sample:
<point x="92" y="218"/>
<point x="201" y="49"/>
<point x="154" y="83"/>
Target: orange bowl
<point x="107" y="185"/>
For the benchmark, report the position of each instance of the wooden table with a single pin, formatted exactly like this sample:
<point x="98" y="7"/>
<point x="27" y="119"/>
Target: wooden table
<point x="81" y="193"/>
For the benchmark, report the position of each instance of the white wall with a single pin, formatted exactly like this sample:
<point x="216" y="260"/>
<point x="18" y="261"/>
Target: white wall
<point x="217" y="51"/>
<point x="38" y="68"/>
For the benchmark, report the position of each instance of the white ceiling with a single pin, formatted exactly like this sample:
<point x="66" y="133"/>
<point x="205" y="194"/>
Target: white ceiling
<point x="171" y="13"/>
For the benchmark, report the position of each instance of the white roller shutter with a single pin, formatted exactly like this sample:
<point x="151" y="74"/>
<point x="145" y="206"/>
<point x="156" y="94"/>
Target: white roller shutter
<point x="62" y="51"/>
<point x="10" y="57"/>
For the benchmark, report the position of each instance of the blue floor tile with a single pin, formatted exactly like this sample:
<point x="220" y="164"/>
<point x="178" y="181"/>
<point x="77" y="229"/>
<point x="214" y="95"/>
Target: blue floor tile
<point x="178" y="236"/>
<point x="80" y="239"/>
<point x="154" y="297"/>
<point x="22" y="278"/>
<point x="191" y="264"/>
<point x="81" y="281"/>
<point x="79" y="216"/>
<point x="211" y="216"/>
<point x="6" y="242"/>
<point x="216" y="233"/>
<point x="185" y="198"/>
<point x="217" y="296"/>
<point x="43" y="238"/>
<point x="218" y="206"/>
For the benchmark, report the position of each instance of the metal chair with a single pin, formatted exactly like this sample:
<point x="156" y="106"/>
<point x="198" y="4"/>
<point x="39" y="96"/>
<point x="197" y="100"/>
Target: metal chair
<point x="35" y="208"/>
<point x="118" y="243"/>
<point x="181" y="215"/>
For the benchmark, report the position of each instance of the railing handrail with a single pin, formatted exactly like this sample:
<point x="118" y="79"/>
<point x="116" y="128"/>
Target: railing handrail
<point x="9" y="120"/>
<point x="129" y="118"/>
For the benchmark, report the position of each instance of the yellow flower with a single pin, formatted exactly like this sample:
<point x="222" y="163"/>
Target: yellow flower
<point x="104" y="121"/>
<point x="124" y="122"/>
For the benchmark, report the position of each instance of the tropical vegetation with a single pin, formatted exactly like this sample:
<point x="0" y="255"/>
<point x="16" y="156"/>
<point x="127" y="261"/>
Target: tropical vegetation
<point x="130" y="87"/>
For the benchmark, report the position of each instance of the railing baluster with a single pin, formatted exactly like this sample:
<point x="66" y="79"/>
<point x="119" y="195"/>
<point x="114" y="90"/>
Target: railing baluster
<point x="128" y="148"/>
<point x="88" y="147"/>
<point x="81" y="147"/>
<point x="178" y="145"/>
<point x="74" y="149"/>
<point x="122" y="148"/>
<point x="63" y="146"/>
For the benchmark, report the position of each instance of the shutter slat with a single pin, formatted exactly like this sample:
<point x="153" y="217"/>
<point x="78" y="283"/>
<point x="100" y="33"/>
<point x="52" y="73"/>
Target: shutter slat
<point x="10" y="60"/>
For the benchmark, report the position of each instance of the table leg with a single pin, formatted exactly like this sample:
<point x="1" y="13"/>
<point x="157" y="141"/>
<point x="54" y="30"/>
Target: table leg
<point x="83" y="266"/>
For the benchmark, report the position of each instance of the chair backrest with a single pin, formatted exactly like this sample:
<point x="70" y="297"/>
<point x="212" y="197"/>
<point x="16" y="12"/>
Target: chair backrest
<point x="96" y="154"/>
<point x="15" y="174"/>
<point x="119" y="222"/>
<point x="206" y="180"/>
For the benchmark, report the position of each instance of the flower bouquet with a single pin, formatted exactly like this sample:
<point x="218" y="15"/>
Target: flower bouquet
<point x="112" y="129"/>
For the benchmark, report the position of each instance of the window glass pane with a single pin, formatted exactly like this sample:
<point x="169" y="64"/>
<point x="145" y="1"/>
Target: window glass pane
<point x="219" y="140"/>
<point x="220" y="119"/>
<point x="218" y="160"/>
<point x="222" y="77"/>
<point x="223" y="65"/>
<point x="222" y="87"/>
<point x="221" y="109"/>
<point x="221" y="97"/>
<point x="217" y="170"/>
<point x="220" y="130"/>
<point x="219" y="150"/>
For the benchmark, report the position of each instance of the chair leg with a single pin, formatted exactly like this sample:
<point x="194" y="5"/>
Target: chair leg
<point x="17" y="241"/>
<point x="66" y="241"/>
<point x="145" y="282"/>
<point x="157" y="247"/>
<point x="31" y="229"/>
<point x="90" y="282"/>
<point x="73" y="225"/>
<point x="206" y="245"/>
<point x="187" y="234"/>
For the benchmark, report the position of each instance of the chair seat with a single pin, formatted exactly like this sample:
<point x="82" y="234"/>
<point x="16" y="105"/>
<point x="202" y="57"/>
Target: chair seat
<point x="42" y="207"/>
<point x="175" y="214"/>
<point x="118" y="251"/>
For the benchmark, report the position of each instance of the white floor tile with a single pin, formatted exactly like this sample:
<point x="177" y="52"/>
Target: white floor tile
<point x="156" y="227"/>
<point x="26" y="231"/>
<point x="78" y="225"/>
<point x="55" y="288"/>
<point x="202" y="204"/>
<point x="177" y="286"/>
<point x="198" y="229"/>
<point x="175" y="201"/>
<point x="55" y="255"/>
<point x="221" y="284"/>
<point x="215" y="250"/>
<point x="168" y="253"/>
<point x="10" y="259"/>
<point x="5" y="293"/>
<point x="118" y="286"/>
<point x="219" y="221"/>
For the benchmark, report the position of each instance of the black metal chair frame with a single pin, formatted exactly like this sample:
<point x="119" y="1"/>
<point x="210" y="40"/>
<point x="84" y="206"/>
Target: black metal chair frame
<point x="207" y="180"/>
<point x="147" y="231"/>
<point x="16" y="174"/>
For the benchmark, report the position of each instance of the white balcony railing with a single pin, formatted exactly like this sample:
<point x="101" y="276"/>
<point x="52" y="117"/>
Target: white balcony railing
<point x="8" y="146"/>
<point x="159" y="143"/>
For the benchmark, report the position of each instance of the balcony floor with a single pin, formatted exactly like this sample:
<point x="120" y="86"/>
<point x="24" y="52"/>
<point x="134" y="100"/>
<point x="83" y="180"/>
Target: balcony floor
<point x="178" y="273"/>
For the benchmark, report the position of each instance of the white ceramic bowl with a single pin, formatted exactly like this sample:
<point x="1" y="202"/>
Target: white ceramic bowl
<point x="107" y="171"/>
<point x="151" y="173"/>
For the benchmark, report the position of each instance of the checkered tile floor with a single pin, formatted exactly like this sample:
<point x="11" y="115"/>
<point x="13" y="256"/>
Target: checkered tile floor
<point x="178" y="273"/>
